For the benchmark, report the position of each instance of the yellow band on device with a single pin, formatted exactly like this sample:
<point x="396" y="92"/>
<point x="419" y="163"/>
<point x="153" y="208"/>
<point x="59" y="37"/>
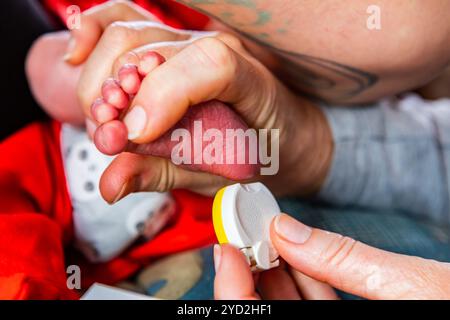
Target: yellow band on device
<point x="242" y="214"/>
<point x="217" y="217"/>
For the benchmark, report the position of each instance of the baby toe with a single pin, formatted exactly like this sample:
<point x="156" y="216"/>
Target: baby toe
<point x="114" y="94"/>
<point x="129" y="79"/>
<point x="111" y="138"/>
<point x="149" y="61"/>
<point x="103" y="112"/>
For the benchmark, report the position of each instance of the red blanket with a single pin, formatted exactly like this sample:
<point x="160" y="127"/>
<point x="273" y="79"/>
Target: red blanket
<point x="169" y="12"/>
<point x="36" y="228"/>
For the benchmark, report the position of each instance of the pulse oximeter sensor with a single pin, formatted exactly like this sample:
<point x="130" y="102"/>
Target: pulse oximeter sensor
<point x="242" y="214"/>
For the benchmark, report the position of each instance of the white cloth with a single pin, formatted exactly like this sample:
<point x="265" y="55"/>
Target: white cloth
<point x="102" y="231"/>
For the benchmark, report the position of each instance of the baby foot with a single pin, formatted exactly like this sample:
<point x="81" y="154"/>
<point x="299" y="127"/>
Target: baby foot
<point x="112" y="136"/>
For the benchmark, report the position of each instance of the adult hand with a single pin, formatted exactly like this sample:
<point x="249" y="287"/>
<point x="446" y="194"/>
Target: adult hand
<point x="93" y="23"/>
<point x="328" y="260"/>
<point x="223" y="70"/>
<point x="99" y="26"/>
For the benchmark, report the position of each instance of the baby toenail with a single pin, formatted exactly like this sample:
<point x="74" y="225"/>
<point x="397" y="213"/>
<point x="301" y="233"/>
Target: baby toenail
<point x="135" y="121"/>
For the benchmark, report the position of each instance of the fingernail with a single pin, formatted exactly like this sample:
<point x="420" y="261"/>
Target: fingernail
<point x="217" y="256"/>
<point x="70" y="48"/>
<point x="135" y="121"/>
<point x="122" y="193"/>
<point x="291" y="229"/>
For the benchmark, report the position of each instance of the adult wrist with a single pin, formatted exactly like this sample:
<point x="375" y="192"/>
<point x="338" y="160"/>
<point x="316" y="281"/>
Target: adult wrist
<point x="318" y="148"/>
<point x="306" y="150"/>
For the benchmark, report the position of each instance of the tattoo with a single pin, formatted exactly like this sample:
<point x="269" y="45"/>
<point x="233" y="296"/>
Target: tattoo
<point x="317" y="77"/>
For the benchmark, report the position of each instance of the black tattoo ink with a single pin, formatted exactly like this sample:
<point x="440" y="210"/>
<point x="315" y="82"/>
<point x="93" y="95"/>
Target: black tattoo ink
<point x="316" y="77"/>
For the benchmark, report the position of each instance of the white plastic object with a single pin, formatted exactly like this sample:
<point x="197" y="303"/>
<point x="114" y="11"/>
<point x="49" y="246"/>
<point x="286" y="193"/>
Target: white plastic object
<point x="103" y="292"/>
<point x="242" y="214"/>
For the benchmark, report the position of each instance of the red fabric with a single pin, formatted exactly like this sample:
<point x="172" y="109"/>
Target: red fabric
<point x="36" y="223"/>
<point x="35" y="219"/>
<point x="35" y="209"/>
<point x="170" y="12"/>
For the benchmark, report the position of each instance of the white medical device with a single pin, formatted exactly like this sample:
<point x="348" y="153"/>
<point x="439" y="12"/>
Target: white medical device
<point x="242" y="214"/>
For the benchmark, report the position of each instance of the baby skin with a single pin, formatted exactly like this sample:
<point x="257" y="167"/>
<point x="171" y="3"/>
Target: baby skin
<point x="113" y="136"/>
<point x="52" y="81"/>
<point x="110" y="133"/>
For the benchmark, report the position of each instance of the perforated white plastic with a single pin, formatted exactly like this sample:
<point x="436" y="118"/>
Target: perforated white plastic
<point x="256" y="208"/>
<point x="247" y="212"/>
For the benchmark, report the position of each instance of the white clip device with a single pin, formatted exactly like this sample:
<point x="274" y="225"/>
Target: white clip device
<point x="242" y="214"/>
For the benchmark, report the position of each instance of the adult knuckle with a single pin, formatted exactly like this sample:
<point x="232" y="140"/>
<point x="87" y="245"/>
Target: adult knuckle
<point x="118" y="32"/>
<point x="216" y="54"/>
<point x="166" y="180"/>
<point x="229" y="39"/>
<point x="120" y="6"/>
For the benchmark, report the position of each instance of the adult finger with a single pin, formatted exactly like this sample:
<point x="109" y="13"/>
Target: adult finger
<point x="312" y="289"/>
<point x="130" y="173"/>
<point x="234" y="280"/>
<point x="357" y="268"/>
<point x="94" y="21"/>
<point x="118" y="39"/>
<point x="277" y="284"/>
<point x="219" y="72"/>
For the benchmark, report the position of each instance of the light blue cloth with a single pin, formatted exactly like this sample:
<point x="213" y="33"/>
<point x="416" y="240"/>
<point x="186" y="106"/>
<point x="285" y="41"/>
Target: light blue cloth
<point x="392" y="155"/>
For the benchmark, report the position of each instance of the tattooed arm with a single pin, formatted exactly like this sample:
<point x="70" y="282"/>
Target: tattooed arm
<point x="325" y="49"/>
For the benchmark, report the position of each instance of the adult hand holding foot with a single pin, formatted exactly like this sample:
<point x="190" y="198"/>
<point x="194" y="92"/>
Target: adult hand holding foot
<point x="93" y="23"/>
<point x="330" y="49"/>
<point x="223" y="71"/>
<point x="313" y="64"/>
<point x="61" y="55"/>
<point x="317" y="261"/>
